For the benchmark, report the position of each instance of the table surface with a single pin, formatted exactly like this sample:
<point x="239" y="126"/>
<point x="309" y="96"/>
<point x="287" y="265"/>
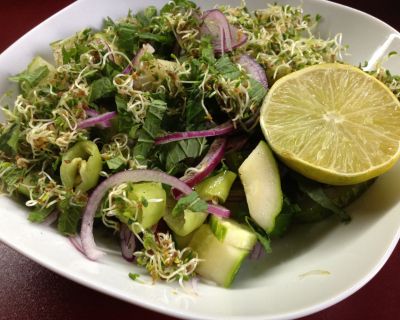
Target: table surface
<point x="29" y="291"/>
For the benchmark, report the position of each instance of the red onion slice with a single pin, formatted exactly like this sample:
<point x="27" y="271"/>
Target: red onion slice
<point x="128" y="243"/>
<point x="91" y="112"/>
<point x="225" y="37"/>
<point x="88" y="244"/>
<point x="77" y="243"/>
<point x="51" y="218"/>
<point x="253" y="68"/>
<point x="219" y="210"/>
<point x="102" y="119"/>
<point x="206" y="165"/>
<point x="86" y="235"/>
<point x="216" y="25"/>
<point x="220" y="130"/>
<point x="136" y="59"/>
<point x="258" y="252"/>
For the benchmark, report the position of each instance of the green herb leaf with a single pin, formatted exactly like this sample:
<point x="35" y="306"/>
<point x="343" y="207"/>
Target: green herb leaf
<point x="115" y="163"/>
<point x="101" y="88"/>
<point x="69" y="217"/>
<point x="260" y="233"/>
<point x="9" y="140"/>
<point x="39" y="215"/>
<point x="190" y="202"/>
<point x="150" y="130"/>
<point x="181" y="150"/>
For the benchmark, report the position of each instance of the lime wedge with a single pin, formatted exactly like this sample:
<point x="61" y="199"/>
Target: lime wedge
<point x="333" y="123"/>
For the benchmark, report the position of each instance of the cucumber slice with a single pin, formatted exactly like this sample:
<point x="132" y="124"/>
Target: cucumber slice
<point x="232" y="233"/>
<point x="220" y="262"/>
<point x="182" y="242"/>
<point x="216" y="188"/>
<point x="153" y="194"/>
<point x="185" y="223"/>
<point x="261" y="181"/>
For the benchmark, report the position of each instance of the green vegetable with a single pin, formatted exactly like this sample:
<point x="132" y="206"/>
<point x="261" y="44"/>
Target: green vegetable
<point x="151" y="200"/>
<point x="101" y="88"/>
<point x="216" y="188"/>
<point x="190" y="202"/>
<point x="219" y="262"/>
<point x="232" y="233"/>
<point x="81" y="166"/>
<point x="261" y="182"/>
<point x="186" y="222"/>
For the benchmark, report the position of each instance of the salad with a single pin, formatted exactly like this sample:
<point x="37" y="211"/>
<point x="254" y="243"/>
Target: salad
<point x="143" y="128"/>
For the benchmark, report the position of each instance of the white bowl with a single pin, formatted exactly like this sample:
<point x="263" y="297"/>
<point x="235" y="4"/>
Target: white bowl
<point x="312" y="268"/>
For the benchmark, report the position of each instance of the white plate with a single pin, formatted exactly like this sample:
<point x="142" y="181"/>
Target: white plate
<point x="289" y="282"/>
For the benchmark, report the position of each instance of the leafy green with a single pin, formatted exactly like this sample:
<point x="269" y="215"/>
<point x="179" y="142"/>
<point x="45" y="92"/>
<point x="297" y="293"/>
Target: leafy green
<point x="260" y="233"/>
<point x="101" y="88"/>
<point x="150" y="130"/>
<point x="40" y="214"/>
<point x="9" y="139"/>
<point x="115" y="163"/>
<point x="69" y="218"/>
<point x="315" y="191"/>
<point x="175" y="152"/>
<point x="227" y="68"/>
<point x="284" y="218"/>
<point x="190" y="202"/>
<point x="29" y="79"/>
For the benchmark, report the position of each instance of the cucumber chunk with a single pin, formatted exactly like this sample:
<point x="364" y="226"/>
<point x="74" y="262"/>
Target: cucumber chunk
<point x="232" y="233"/>
<point x="261" y="181"/>
<point x="152" y="197"/>
<point x="220" y="262"/>
<point x="216" y="188"/>
<point x="185" y="223"/>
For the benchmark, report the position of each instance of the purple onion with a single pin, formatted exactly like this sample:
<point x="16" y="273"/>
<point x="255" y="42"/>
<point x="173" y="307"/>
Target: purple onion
<point x="102" y="119"/>
<point x="52" y="217"/>
<point x="136" y="59"/>
<point x="206" y="165"/>
<point x="128" y="243"/>
<point x="254" y="69"/>
<point x="77" y="243"/>
<point x="225" y="37"/>
<point x="86" y="234"/>
<point x="220" y="130"/>
<point x="258" y="251"/>
<point x="218" y="210"/>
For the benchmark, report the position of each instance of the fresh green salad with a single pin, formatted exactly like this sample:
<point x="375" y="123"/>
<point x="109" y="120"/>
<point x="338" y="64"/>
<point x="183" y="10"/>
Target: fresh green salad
<point x="149" y="128"/>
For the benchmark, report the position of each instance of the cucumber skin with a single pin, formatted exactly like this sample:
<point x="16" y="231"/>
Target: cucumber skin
<point x="216" y="256"/>
<point x="249" y="165"/>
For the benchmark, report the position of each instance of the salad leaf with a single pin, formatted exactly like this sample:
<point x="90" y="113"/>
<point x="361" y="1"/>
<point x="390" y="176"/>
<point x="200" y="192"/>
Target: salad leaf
<point x="9" y="139"/>
<point x="175" y="152"/>
<point x="190" y="202"/>
<point x="260" y="233"/>
<point x="69" y="217"/>
<point x="101" y="88"/>
<point x="149" y="131"/>
<point x="39" y="215"/>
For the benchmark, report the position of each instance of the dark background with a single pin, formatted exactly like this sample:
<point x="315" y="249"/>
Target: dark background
<point x="29" y="291"/>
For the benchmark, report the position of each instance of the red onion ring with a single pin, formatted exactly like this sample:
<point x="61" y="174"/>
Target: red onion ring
<point x="128" y="243"/>
<point x="206" y="165"/>
<point x="86" y="234"/>
<point x="253" y="68"/>
<point x="218" y="210"/>
<point x="147" y="48"/>
<point x="225" y="37"/>
<point x="77" y="243"/>
<point x="220" y="130"/>
<point x="103" y="119"/>
<point x="258" y="252"/>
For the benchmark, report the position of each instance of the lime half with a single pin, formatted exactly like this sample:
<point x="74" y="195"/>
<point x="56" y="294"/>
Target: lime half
<point x="333" y="123"/>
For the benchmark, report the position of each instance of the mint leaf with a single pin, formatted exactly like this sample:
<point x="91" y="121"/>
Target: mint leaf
<point x="190" y="202"/>
<point x="39" y="215"/>
<point x="260" y="233"/>
<point x="101" y="88"/>
<point x="69" y="217"/>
